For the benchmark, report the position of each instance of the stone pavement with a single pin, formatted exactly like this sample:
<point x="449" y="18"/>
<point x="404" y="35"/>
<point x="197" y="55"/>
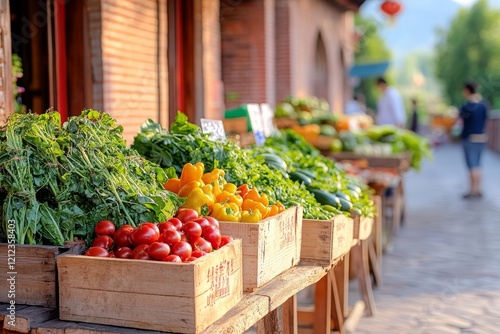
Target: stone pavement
<point x="442" y="273"/>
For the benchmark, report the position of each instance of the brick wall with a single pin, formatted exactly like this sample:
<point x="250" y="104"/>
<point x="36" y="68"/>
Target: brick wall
<point x="282" y="55"/>
<point x="243" y="52"/>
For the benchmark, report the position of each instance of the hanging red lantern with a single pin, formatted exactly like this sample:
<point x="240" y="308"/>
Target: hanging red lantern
<point x="391" y="8"/>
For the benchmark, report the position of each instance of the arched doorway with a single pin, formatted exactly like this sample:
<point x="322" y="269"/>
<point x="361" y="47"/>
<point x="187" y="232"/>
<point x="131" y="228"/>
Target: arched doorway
<point x="320" y="79"/>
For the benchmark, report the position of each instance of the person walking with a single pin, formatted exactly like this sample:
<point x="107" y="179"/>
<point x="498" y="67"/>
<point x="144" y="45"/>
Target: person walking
<point x="474" y="115"/>
<point x="414" y="116"/>
<point x="390" y="109"/>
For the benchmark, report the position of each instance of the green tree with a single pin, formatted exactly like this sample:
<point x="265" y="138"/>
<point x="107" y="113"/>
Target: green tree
<point x="469" y="50"/>
<point x="371" y="49"/>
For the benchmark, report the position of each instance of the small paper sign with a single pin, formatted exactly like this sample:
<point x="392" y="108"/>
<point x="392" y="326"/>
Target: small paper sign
<point x="214" y="127"/>
<point x="267" y="119"/>
<point x="255" y="116"/>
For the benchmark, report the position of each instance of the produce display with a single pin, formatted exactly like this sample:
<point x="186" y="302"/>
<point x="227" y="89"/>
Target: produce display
<point x="185" y="143"/>
<point x="387" y="140"/>
<point x="210" y="194"/>
<point x="57" y="181"/>
<point x="306" y="110"/>
<point x="336" y="191"/>
<point x="184" y="238"/>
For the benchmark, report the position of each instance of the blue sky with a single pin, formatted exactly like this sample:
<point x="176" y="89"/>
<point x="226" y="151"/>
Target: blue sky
<point x="415" y="28"/>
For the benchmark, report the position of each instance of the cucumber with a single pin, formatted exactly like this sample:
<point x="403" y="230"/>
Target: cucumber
<point x="325" y="198"/>
<point x="353" y="194"/>
<point x="274" y="161"/>
<point x="330" y="208"/>
<point x="356" y="212"/>
<point x="343" y="195"/>
<point x="307" y="172"/>
<point x="285" y="174"/>
<point x="300" y="178"/>
<point x="355" y="188"/>
<point x="345" y="205"/>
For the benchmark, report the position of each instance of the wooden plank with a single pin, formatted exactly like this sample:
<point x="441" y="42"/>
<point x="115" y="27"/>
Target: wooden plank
<point x="29" y="317"/>
<point x="66" y="327"/>
<point x="272" y="322"/>
<point x="202" y="290"/>
<point x="322" y="306"/>
<point x="290" y="324"/>
<point x="269" y="247"/>
<point x="337" y="315"/>
<point x="324" y="241"/>
<point x="341" y="272"/>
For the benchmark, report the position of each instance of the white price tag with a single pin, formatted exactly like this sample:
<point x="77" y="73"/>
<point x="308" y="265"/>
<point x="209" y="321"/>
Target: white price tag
<point x="267" y="119"/>
<point x="214" y="127"/>
<point x="255" y="116"/>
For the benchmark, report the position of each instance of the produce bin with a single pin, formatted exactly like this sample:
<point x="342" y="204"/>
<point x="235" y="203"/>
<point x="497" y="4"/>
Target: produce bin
<point x="325" y="241"/>
<point x="34" y="271"/>
<point x="162" y="296"/>
<point x="362" y="227"/>
<point x="270" y="246"/>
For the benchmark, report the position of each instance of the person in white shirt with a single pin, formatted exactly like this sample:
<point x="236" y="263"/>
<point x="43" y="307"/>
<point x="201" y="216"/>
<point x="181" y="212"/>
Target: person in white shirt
<point x="390" y="109"/>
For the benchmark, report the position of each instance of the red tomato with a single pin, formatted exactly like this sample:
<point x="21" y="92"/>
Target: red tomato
<point x="97" y="251"/>
<point x="141" y="252"/>
<point x="170" y="237"/>
<point x="105" y="227"/>
<point x="158" y="250"/>
<point x="186" y="215"/>
<point x="144" y="234"/>
<point x="122" y="236"/>
<point x="192" y="230"/>
<point x="166" y="226"/>
<point x="191" y="259"/>
<point x="225" y="239"/>
<point x="172" y="258"/>
<point x="212" y="235"/>
<point x="213" y="221"/>
<point x="183" y="249"/>
<point x="111" y="254"/>
<point x="124" y="253"/>
<point x="198" y="253"/>
<point x="176" y="222"/>
<point x="203" y="222"/>
<point x="202" y="245"/>
<point x="103" y="241"/>
<point x="153" y="226"/>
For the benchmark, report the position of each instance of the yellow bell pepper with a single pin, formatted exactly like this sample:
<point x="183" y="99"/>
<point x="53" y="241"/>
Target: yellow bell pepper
<point x="188" y="187"/>
<point x="230" y="188"/>
<point x="251" y="216"/>
<point x="198" y="200"/>
<point x="191" y="172"/>
<point x="173" y="185"/>
<point x="226" y="197"/>
<point x="249" y="204"/>
<point x="216" y="179"/>
<point x="226" y="212"/>
<point x="208" y="190"/>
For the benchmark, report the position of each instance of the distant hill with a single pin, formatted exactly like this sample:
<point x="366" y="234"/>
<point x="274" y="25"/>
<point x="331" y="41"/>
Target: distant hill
<point x="415" y="28"/>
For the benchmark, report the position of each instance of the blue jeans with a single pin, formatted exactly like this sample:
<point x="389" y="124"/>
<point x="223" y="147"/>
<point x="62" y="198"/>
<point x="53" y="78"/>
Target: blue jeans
<point x="472" y="153"/>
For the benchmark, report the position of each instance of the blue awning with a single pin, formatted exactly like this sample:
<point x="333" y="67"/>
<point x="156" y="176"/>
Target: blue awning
<point x="368" y="70"/>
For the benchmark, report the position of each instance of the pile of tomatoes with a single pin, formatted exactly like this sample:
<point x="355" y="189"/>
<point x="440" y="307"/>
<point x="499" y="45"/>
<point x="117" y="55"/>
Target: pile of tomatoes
<point x="181" y="239"/>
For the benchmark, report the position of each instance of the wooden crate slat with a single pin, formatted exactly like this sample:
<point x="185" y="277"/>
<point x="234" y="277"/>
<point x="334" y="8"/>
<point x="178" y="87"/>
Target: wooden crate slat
<point x="29" y="317"/>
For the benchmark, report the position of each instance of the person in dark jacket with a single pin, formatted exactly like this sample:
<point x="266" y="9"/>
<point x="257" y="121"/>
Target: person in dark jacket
<point x="414" y="116"/>
<point x="474" y="115"/>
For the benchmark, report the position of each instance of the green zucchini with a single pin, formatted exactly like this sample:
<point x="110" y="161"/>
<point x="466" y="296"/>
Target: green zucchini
<point x="325" y="198"/>
<point x="307" y="172"/>
<point x="355" y="188"/>
<point x="345" y="205"/>
<point x="341" y="194"/>
<point x="274" y="161"/>
<point x="300" y="178"/>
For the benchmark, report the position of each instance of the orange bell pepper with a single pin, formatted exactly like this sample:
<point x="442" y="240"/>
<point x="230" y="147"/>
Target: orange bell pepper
<point x="173" y="185"/>
<point x="243" y="190"/>
<point x="273" y="210"/>
<point x="281" y="207"/>
<point x="191" y="172"/>
<point x="254" y="195"/>
<point x="249" y="204"/>
<point x="188" y="187"/>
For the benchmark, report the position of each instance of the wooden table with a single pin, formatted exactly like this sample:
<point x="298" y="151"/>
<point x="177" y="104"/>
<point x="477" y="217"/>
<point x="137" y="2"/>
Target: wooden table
<point x="272" y="307"/>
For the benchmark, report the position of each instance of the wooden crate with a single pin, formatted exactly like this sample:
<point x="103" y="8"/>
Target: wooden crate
<point x="35" y="273"/>
<point x="400" y="162"/>
<point x="269" y="247"/>
<point x="325" y="241"/>
<point x="163" y="296"/>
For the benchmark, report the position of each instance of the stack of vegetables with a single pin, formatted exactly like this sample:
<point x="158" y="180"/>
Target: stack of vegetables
<point x="300" y="161"/>
<point x="387" y="140"/>
<point x="57" y="182"/>
<point x="210" y="194"/>
<point x="185" y="143"/>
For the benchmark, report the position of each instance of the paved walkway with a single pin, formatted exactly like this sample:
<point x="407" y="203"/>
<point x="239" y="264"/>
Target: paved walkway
<point x="442" y="274"/>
